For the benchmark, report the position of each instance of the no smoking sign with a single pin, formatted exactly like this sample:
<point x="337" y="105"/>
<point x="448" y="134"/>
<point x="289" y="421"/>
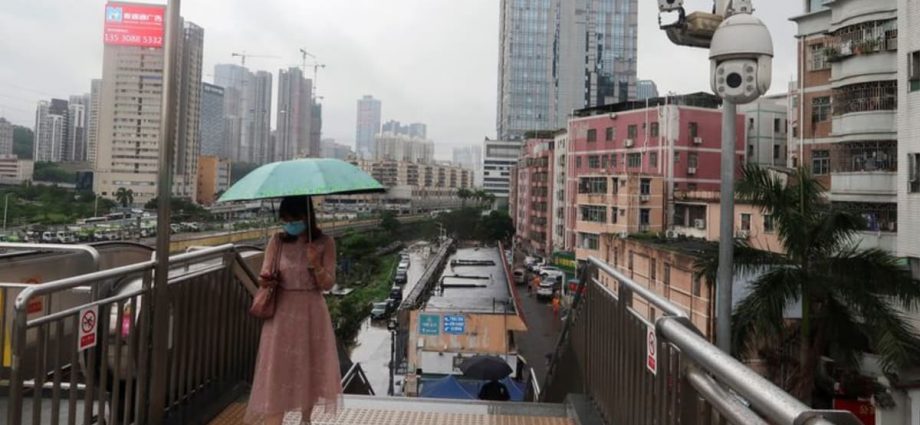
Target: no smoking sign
<point x="89" y="324"/>
<point x="651" y="361"/>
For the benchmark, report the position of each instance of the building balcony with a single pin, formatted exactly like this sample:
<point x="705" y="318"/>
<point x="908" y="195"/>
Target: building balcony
<point x="691" y="232"/>
<point x="859" y="68"/>
<point x="877" y="124"/>
<point x="864" y="186"/>
<point x="594" y="198"/>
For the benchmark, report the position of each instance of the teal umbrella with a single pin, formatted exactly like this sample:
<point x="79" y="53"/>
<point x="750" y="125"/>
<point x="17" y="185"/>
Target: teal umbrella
<point x="309" y="176"/>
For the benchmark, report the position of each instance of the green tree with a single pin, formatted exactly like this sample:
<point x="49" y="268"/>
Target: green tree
<point x="464" y="194"/>
<point x="850" y="297"/>
<point x="124" y="197"/>
<point x="23" y="142"/>
<point x="389" y="223"/>
<point x="51" y="172"/>
<point x="494" y="227"/>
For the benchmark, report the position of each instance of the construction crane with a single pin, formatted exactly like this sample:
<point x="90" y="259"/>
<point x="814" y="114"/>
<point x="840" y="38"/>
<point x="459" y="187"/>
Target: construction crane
<point x="245" y="55"/>
<point x="316" y="66"/>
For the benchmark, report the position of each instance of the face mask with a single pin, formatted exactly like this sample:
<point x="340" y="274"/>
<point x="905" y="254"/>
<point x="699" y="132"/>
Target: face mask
<point x="295" y="228"/>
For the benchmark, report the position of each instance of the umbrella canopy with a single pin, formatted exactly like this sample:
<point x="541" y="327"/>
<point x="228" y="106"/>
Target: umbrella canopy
<point x="485" y="367"/>
<point x="308" y="176"/>
<point x="447" y="387"/>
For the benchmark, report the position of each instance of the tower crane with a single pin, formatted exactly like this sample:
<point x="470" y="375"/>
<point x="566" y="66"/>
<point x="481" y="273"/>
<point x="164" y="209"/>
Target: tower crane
<point x="245" y="55"/>
<point x="316" y="66"/>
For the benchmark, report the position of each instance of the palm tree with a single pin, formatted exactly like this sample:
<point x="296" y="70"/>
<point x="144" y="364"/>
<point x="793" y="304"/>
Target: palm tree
<point x="463" y="194"/>
<point x="851" y="298"/>
<point x="124" y="196"/>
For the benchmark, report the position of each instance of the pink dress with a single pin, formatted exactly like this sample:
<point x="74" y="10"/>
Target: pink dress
<point x="298" y="364"/>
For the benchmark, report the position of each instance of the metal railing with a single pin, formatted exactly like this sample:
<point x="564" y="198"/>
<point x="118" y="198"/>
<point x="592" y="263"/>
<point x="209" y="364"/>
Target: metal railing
<point x="212" y="342"/>
<point x="604" y="352"/>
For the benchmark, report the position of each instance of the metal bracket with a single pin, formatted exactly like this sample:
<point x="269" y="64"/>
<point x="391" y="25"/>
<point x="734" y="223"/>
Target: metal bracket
<point x="837" y="417"/>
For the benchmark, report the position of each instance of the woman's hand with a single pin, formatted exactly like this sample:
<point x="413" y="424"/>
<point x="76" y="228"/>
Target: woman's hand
<point x="314" y="256"/>
<point x="267" y="281"/>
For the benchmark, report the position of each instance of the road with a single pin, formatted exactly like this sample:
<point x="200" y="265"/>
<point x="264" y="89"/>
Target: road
<point x="542" y="332"/>
<point x="372" y="349"/>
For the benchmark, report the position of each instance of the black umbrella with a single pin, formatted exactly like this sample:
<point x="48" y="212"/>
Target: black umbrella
<point x="490" y="368"/>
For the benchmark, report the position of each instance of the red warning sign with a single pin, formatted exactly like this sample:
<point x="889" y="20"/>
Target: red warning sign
<point x="652" y="359"/>
<point x="89" y="324"/>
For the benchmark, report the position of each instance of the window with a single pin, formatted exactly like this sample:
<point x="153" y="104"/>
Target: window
<point x="593" y="185"/>
<point x="613" y="215"/>
<point x="610" y="134"/>
<point x="776" y="151"/>
<point x="777" y="125"/>
<point x="862" y="97"/>
<point x="631" y="260"/>
<point x="645" y="187"/>
<point x="634" y="160"/>
<point x="769" y="225"/>
<point x="594" y="161"/>
<point x="652" y="273"/>
<point x="592" y="135"/>
<point x="820" y="162"/>
<point x="818" y="58"/>
<point x="691" y="187"/>
<point x="577" y="162"/>
<point x="913" y="72"/>
<point x="632" y="132"/>
<point x="645" y="217"/>
<point x="654" y="130"/>
<point x="666" y="275"/>
<point x="613" y="160"/>
<point x="589" y="241"/>
<point x="697" y="284"/>
<point x="593" y="213"/>
<point x="820" y="109"/>
<point x="693" y="159"/>
<point x="653" y="159"/>
<point x="746" y="222"/>
<point x="676" y="157"/>
<point x="694" y="130"/>
<point x="604" y="161"/>
<point x="913" y="171"/>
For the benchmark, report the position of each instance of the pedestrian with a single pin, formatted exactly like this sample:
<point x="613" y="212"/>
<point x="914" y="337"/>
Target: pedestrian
<point x="556" y="305"/>
<point x="298" y="365"/>
<point x="535" y="283"/>
<point x="494" y="391"/>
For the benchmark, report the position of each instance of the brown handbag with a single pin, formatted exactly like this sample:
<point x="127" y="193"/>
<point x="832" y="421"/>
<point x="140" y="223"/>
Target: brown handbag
<point x="263" y="303"/>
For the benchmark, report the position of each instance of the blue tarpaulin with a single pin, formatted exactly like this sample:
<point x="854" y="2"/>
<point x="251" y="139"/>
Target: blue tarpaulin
<point x="466" y="389"/>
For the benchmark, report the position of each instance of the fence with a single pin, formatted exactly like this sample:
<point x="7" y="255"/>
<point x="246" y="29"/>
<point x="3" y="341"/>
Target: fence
<point x="212" y="343"/>
<point x="604" y="352"/>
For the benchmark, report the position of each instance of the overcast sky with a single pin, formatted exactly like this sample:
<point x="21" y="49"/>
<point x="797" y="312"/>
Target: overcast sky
<point x="431" y="61"/>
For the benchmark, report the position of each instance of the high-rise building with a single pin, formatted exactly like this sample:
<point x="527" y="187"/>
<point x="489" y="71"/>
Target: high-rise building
<point x="213" y="122"/>
<point x="498" y="157"/>
<point x="419" y="130"/>
<point x="50" y="130"/>
<point x="646" y="89"/>
<point x="766" y="128"/>
<point x="557" y="56"/>
<point x="470" y="157"/>
<point x="908" y="178"/>
<point x="316" y="130"/>
<point x="401" y="147"/>
<point x="128" y="141"/>
<point x="369" y="114"/>
<point x="295" y="115"/>
<point x="77" y="128"/>
<point x="6" y="137"/>
<point x="213" y="178"/>
<point x="92" y="128"/>
<point x="848" y="117"/>
<point x="247" y="106"/>
<point x="331" y="149"/>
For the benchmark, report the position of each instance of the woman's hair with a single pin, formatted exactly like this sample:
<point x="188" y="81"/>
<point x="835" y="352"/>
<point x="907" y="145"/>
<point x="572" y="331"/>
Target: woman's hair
<point x="299" y="208"/>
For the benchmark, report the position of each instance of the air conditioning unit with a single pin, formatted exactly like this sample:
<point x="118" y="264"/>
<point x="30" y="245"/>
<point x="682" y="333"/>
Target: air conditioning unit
<point x="623" y="235"/>
<point x="699" y="223"/>
<point x="743" y="234"/>
<point x="629" y="143"/>
<point x="671" y="234"/>
<point x="697" y="140"/>
<point x="645" y="198"/>
<point x="691" y="171"/>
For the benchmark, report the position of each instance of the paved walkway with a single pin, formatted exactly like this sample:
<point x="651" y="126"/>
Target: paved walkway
<point x="542" y="334"/>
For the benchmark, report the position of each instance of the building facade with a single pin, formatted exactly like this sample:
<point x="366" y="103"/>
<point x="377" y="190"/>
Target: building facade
<point x="848" y="127"/>
<point x="295" y="115"/>
<point x="127" y="150"/>
<point x="6" y="137"/>
<point x="558" y="56"/>
<point x="331" y="149"/>
<point x="470" y="157"/>
<point x="50" y="130"/>
<point x="14" y="171"/>
<point x="532" y="189"/>
<point x="411" y="187"/>
<point x="77" y="128"/>
<point x="498" y="158"/>
<point x="557" y="202"/>
<point x="368" y="126"/>
<point x="767" y="124"/>
<point x="625" y="162"/>
<point x="213" y="178"/>
<point x="646" y="89"/>
<point x="213" y="122"/>
<point x="92" y="128"/>
<point x="398" y="147"/>
<point x="908" y="180"/>
<point x="247" y="106"/>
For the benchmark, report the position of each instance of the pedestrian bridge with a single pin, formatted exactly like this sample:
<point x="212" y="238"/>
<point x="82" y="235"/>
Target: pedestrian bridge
<point x="78" y="326"/>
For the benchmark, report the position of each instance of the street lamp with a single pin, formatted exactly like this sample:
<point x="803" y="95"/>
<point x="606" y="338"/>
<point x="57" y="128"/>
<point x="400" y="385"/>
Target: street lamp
<point x="6" y="204"/>
<point x="392" y="326"/>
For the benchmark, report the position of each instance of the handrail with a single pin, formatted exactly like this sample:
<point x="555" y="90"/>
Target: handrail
<point x="93" y="253"/>
<point x="656" y="300"/>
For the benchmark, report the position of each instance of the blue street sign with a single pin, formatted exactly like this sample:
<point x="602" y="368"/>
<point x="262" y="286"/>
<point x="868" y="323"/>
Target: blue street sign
<point x="455" y="325"/>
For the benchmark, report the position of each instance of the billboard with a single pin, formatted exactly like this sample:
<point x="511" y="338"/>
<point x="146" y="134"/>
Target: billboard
<point x="128" y="24"/>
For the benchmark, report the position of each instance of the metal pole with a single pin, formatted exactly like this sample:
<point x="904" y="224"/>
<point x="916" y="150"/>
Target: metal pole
<point x="390" y="390"/>
<point x="726" y="229"/>
<point x="160" y="311"/>
<point x="6" y="204"/>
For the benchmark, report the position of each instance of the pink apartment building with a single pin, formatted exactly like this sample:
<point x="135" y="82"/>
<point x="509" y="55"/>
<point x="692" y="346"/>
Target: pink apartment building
<point x="530" y="201"/>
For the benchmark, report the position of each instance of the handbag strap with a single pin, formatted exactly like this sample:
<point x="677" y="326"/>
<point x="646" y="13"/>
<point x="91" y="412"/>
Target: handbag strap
<point x="276" y="262"/>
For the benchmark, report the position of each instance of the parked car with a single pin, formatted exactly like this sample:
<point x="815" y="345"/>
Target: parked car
<point x="402" y="276"/>
<point x="380" y="311"/>
<point x="534" y="263"/>
<point x="520" y="277"/>
<point x="548" y="287"/>
<point x="396" y="294"/>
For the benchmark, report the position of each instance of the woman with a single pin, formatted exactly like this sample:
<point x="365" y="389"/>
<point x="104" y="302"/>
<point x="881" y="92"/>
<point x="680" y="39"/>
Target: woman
<point x="298" y="364"/>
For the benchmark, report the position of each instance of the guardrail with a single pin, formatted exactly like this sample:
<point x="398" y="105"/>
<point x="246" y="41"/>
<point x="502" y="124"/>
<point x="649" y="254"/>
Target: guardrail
<point x="605" y="351"/>
<point x="212" y="343"/>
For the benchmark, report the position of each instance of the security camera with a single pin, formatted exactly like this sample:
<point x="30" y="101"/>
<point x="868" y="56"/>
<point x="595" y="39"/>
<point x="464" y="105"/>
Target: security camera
<point x="669" y="5"/>
<point x="741" y="58"/>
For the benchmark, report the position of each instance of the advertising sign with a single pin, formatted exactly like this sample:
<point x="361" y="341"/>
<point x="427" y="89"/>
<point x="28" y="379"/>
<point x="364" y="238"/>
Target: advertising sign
<point x="429" y="325"/>
<point x="89" y="324"/>
<point x="651" y="362"/>
<point x="134" y="25"/>
<point x="455" y="325"/>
